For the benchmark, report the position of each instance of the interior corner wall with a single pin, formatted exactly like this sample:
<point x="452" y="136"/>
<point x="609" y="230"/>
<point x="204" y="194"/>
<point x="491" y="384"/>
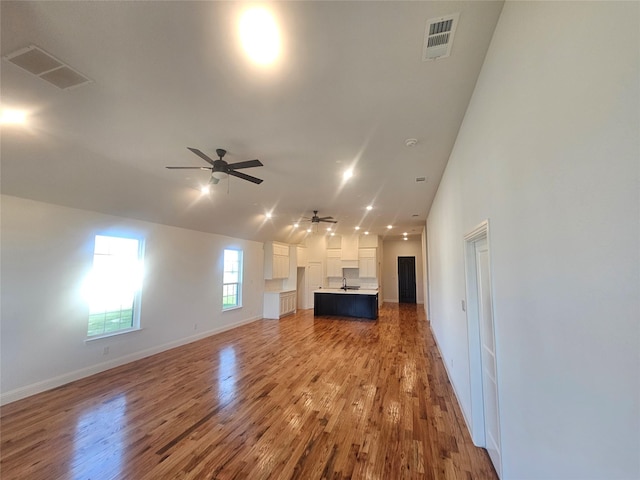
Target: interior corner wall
<point x="400" y="248"/>
<point x="425" y="271"/>
<point x="47" y="252"/>
<point x="548" y="153"/>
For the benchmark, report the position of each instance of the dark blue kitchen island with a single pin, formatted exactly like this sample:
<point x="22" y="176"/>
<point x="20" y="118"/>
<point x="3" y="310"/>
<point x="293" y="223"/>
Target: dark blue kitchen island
<point x="346" y="303"/>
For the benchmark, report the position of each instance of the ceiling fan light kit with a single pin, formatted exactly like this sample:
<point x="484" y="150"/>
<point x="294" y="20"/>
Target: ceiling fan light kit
<point x="220" y="169"/>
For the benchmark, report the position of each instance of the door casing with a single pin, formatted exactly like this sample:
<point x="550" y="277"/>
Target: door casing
<point x="479" y="233"/>
<point x="407" y="275"/>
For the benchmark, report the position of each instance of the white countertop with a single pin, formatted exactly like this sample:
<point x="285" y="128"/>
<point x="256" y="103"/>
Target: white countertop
<point x="339" y="291"/>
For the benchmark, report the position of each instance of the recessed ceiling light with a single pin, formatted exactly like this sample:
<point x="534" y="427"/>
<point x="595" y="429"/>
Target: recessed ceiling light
<point x="328" y="229"/>
<point x="347" y="174"/>
<point x="411" y="142"/>
<point x="405" y="234"/>
<point x="389" y="227"/>
<point x="268" y="215"/>
<point x="333" y="234"/>
<point x="295" y="225"/>
<point x="405" y="238"/>
<point x="11" y="116"/>
<point x="205" y="189"/>
<point x="260" y="36"/>
<point x="366" y="233"/>
<point x="369" y="207"/>
<point x="308" y="230"/>
<point x="357" y="228"/>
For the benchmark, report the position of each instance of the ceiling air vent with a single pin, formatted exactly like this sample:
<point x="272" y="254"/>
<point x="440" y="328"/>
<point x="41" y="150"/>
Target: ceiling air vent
<point x="38" y="62"/>
<point x="438" y="37"/>
<point x="421" y="179"/>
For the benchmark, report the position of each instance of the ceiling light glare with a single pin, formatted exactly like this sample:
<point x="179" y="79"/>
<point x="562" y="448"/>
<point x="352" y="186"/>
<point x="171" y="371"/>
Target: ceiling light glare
<point x="295" y="225"/>
<point x="405" y="238"/>
<point x="405" y="234"/>
<point x="369" y="207"/>
<point x="308" y="230"/>
<point x="389" y="227"/>
<point x="328" y="229"/>
<point x="347" y="174"/>
<point x="268" y="215"/>
<point x="366" y="233"/>
<point x="357" y="228"/>
<point x="260" y="36"/>
<point x="333" y="234"/>
<point x="11" y="116"/>
<point x="205" y="189"/>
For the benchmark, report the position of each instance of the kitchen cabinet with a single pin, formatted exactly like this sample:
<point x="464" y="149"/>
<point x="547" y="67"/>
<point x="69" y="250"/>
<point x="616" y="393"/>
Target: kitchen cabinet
<point x="276" y="260"/>
<point x="359" y="305"/>
<point x="349" y="252"/>
<point x="334" y="263"/>
<point x="301" y="257"/>
<point x="367" y="263"/>
<point x="279" y="304"/>
<point x="368" y="241"/>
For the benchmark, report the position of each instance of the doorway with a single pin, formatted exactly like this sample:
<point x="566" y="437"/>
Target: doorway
<point x="301" y="282"/>
<point x="485" y="410"/>
<point x="407" y="279"/>
<point x="314" y="281"/>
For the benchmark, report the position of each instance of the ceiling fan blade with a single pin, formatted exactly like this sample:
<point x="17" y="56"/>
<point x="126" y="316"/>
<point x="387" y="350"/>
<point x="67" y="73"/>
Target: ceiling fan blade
<point x="327" y="221"/>
<point x="245" y="177"/>
<point x="247" y="164"/>
<point x="325" y="218"/>
<point x="189" y="168"/>
<point x="201" y="155"/>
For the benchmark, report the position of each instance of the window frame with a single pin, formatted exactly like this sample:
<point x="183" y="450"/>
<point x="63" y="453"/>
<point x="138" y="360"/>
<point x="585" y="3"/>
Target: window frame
<point x="137" y="293"/>
<point x="238" y="284"/>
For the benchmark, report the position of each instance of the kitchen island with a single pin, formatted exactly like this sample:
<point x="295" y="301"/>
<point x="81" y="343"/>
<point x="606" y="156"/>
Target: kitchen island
<point x="346" y="303"/>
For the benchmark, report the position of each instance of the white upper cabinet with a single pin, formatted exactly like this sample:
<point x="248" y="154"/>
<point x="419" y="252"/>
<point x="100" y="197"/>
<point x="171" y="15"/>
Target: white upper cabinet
<point x="334" y="263"/>
<point x="368" y="241"/>
<point x="276" y="260"/>
<point x="301" y="256"/>
<point x="367" y="262"/>
<point x="350" y="251"/>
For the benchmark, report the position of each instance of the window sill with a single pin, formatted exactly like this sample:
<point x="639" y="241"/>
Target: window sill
<point x="112" y="334"/>
<point x="231" y="308"/>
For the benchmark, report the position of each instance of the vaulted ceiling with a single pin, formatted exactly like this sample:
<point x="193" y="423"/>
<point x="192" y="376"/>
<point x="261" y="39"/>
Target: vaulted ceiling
<point x="348" y="88"/>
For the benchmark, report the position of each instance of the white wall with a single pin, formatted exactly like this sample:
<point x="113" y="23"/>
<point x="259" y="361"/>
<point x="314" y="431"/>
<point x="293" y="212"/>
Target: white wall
<point x="425" y="276"/>
<point x="47" y="251"/>
<point x="549" y="153"/>
<point x="394" y="248"/>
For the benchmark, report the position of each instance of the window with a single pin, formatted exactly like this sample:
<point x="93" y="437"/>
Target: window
<point x="232" y="278"/>
<point x="114" y="285"/>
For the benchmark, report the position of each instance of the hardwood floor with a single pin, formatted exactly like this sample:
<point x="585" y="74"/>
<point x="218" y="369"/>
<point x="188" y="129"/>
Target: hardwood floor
<point x="296" y="398"/>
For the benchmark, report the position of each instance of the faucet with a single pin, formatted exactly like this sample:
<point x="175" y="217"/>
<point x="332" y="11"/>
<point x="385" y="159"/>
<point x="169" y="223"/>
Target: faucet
<point x="344" y="283"/>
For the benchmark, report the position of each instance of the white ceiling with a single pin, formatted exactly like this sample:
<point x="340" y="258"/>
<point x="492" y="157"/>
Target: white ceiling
<point x="349" y="88"/>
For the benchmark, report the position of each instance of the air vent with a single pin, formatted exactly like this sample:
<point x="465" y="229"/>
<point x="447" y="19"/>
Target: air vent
<point x="421" y="179"/>
<point x="39" y="63"/>
<point x="438" y="37"/>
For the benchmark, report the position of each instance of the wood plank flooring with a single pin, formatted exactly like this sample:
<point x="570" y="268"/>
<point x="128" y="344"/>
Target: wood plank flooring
<point x="302" y="397"/>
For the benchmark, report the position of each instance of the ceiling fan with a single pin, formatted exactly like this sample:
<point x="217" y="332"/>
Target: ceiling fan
<point x="317" y="219"/>
<point x="221" y="169"/>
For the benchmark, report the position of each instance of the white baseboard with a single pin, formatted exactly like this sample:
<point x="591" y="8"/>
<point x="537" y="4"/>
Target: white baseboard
<point x="50" y="383"/>
<point x="453" y="385"/>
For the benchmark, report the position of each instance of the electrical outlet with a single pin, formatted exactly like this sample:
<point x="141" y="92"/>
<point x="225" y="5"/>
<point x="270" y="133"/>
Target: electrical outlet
<point x="105" y="351"/>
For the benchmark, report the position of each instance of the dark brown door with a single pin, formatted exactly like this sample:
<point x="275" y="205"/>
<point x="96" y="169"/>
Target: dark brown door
<point x="407" y="279"/>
